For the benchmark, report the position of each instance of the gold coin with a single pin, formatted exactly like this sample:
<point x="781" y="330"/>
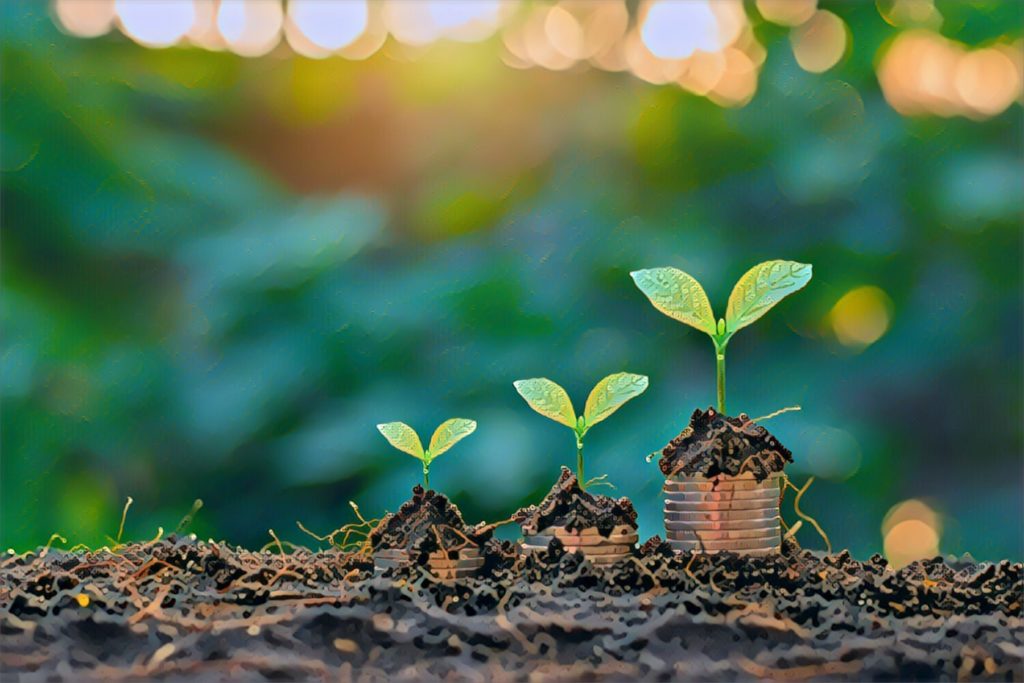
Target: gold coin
<point x="720" y="534"/>
<point x="761" y="523"/>
<point x="710" y="496"/>
<point x="718" y="516"/>
<point x="693" y="506"/>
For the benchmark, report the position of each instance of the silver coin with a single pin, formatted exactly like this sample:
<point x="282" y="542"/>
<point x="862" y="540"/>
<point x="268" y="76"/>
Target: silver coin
<point x="627" y="539"/>
<point x="721" y="534"/>
<point x="750" y="553"/>
<point x="713" y="516"/>
<point x="693" y="506"/>
<point x="708" y="487"/>
<point x="733" y="544"/>
<point x="762" y="523"/>
<point x="709" y="496"/>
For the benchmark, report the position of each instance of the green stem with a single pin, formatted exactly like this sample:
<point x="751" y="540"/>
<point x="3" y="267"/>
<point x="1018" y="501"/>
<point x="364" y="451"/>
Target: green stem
<point x="426" y="476"/>
<point x="579" y="462"/>
<point x="720" y="374"/>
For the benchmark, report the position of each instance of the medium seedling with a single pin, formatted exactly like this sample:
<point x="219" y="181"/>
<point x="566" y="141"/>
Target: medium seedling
<point x="680" y="296"/>
<point x="552" y="401"/>
<point x="404" y="438"/>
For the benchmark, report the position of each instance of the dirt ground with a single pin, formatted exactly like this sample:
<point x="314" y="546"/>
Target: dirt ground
<point x="181" y="608"/>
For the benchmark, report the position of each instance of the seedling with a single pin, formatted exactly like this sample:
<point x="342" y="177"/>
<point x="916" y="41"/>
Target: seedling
<point x="552" y="401"/>
<point x="680" y="296"/>
<point x="404" y="438"/>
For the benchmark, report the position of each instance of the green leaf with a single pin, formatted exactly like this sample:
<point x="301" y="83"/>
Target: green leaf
<point x="403" y="437"/>
<point x="762" y="287"/>
<point x="610" y="393"/>
<point x="548" y="399"/>
<point x="678" y="296"/>
<point x="448" y="434"/>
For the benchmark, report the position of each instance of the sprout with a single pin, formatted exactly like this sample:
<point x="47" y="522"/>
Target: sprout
<point x="404" y="438"/>
<point x="679" y="296"/>
<point x="551" y="401"/>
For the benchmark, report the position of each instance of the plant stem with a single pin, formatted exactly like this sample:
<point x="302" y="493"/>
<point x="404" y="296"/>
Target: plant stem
<point x="720" y="374"/>
<point x="579" y="462"/>
<point x="426" y="477"/>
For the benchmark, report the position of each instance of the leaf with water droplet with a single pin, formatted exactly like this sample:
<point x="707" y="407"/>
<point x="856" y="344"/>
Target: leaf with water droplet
<point x="548" y="399"/>
<point x="610" y="394"/>
<point x="761" y="288"/>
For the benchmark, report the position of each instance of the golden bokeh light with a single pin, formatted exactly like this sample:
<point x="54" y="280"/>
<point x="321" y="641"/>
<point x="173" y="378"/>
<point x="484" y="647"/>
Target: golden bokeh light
<point x="787" y="12"/>
<point x="564" y="33"/>
<point x="861" y="316"/>
<point x="250" y="29"/>
<point x="421" y="22"/>
<point x="328" y="26"/>
<point x="923" y="72"/>
<point x="156" y="23"/>
<point x="738" y="81"/>
<point x="675" y="29"/>
<point x="604" y="25"/>
<point x="987" y="81"/>
<point x="819" y="43"/>
<point x="85" y="18"/>
<point x="204" y="31"/>
<point x="921" y="13"/>
<point x="911" y="531"/>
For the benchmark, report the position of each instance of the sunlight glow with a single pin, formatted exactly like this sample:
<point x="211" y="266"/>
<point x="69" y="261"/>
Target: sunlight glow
<point x="675" y="29"/>
<point x="911" y="531"/>
<point x="156" y="23"/>
<point x="329" y="25"/>
<point x="787" y="12"/>
<point x="421" y="22"/>
<point x="819" y="43"/>
<point x="250" y="28"/>
<point x="85" y="18"/>
<point x="861" y="316"/>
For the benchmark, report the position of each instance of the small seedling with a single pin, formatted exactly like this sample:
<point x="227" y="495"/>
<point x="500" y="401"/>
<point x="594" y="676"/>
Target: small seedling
<point x="680" y="296"/>
<point x="552" y="401"/>
<point x="404" y="438"/>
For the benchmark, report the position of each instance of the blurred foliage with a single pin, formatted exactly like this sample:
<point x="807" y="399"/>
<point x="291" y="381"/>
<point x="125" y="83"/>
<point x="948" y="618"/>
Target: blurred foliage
<point x="220" y="274"/>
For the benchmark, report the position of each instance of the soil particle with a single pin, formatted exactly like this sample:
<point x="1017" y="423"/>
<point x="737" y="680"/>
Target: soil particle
<point x="567" y="505"/>
<point x="716" y="444"/>
<point x="425" y="523"/>
<point x="179" y="608"/>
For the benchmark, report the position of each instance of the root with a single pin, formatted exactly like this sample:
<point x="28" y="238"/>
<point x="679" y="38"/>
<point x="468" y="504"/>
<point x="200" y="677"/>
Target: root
<point x="791" y="531"/>
<point x="598" y="481"/>
<point x="360" y="530"/>
<point x="796" y="508"/>
<point x="788" y="409"/>
<point x="186" y="521"/>
<point x="120" y="529"/>
<point x="46" y="548"/>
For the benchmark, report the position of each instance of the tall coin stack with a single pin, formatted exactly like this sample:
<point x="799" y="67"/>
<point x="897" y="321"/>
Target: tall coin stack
<point x="723" y="514"/>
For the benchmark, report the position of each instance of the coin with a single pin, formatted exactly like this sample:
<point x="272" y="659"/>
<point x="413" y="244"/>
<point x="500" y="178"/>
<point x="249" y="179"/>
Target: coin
<point x="735" y="544"/>
<point x="562" y="532"/>
<point x="716" y="515"/>
<point x="721" y="534"/>
<point x="743" y="485"/>
<point x="583" y="541"/>
<point x="751" y="553"/>
<point x="762" y="523"/>
<point x="715" y="506"/>
<point x="709" y="496"/>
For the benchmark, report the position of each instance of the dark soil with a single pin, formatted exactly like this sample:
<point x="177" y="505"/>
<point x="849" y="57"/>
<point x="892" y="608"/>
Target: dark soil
<point x="569" y="506"/>
<point x="716" y="444"/>
<point x="427" y="522"/>
<point x="180" y="608"/>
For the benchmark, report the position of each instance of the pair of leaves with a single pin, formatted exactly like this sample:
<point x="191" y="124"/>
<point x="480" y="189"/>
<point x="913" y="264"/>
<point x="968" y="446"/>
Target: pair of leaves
<point x="607" y="396"/>
<point x="678" y="295"/>
<point x="404" y="438"/>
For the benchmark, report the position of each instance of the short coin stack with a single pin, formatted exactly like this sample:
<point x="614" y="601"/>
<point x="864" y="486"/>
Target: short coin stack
<point x="466" y="563"/>
<point x="723" y="514"/>
<point x="600" y="550"/>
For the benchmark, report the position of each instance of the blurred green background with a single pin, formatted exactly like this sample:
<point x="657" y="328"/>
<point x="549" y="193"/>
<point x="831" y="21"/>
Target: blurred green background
<point x="220" y="273"/>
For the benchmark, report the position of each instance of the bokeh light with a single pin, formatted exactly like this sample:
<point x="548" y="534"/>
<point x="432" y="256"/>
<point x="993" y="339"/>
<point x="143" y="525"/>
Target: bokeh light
<point x="156" y="23"/>
<point x="787" y="12"/>
<point x="819" y="43"/>
<point x="328" y="25"/>
<point x="250" y="28"/>
<point x="861" y="316"/>
<point x="85" y="18"/>
<point x="675" y="29"/>
<point x="420" y="22"/>
<point x="911" y="531"/>
<point x="923" y="72"/>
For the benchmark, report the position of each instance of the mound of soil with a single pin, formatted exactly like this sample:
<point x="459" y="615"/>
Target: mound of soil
<point x="716" y="444"/>
<point x="427" y="522"/>
<point x="567" y="505"/>
<point x="179" y="608"/>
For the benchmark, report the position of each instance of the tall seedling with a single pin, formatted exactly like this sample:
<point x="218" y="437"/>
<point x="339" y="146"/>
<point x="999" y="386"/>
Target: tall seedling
<point x="404" y="438"/>
<point x="607" y="396"/>
<point x="680" y="296"/>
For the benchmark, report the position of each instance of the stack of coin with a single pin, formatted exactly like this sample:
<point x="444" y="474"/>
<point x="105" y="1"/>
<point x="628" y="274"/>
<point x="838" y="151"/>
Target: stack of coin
<point x="600" y="550"/>
<point x="466" y="562"/>
<point x="735" y="514"/>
